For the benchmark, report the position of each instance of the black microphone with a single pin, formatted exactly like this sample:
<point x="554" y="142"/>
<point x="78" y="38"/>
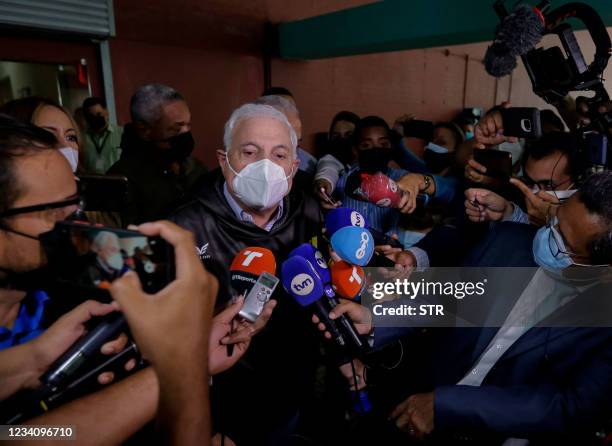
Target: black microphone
<point x="68" y="366"/>
<point x="518" y="33"/>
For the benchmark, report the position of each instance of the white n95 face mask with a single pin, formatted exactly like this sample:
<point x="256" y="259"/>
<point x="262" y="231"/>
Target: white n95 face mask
<point x="260" y="185"/>
<point x="72" y="156"/>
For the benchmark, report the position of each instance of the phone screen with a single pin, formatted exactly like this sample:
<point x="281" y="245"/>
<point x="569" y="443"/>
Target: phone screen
<point x="93" y="256"/>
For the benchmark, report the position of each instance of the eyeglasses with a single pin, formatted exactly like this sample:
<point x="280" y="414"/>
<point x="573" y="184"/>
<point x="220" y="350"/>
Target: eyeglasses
<point x="546" y="185"/>
<point x="556" y="244"/>
<point x="77" y="201"/>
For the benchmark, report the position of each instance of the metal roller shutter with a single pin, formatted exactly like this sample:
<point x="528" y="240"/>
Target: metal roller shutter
<point x="89" y="17"/>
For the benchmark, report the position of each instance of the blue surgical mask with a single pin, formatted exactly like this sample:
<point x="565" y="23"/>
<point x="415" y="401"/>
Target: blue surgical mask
<point x="411" y="238"/>
<point x="469" y="135"/>
<point x="544" y="249"/>
<point x="436" y="148"/>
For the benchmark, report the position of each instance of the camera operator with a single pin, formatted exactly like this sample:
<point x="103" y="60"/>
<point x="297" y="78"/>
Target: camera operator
<point x="532" y="378"/>
<point x="39" y="189"/>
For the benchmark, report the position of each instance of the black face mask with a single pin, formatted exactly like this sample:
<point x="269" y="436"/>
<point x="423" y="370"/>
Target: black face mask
<point x="95" y="122"/>
<point x="437" y="162"/>
<point x="181" y="147"/>
<point x="341" y="149"/>
<point x="28" y="281"/>
<point x="375" y="159"/>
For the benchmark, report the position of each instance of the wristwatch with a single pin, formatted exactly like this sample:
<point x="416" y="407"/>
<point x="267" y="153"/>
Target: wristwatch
<point x="428" y="179"/>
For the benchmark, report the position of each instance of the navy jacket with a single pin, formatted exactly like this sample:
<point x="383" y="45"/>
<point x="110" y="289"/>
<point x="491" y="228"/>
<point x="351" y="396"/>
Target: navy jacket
<point x="552" y="382"/>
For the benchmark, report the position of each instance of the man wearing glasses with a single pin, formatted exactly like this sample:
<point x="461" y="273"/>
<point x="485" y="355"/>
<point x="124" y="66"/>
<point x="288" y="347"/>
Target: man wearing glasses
<point x="544" y="374"/>
<point x="550" y="170"/>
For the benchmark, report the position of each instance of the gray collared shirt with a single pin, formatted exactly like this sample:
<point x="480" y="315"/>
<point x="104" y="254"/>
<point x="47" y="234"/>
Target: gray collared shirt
<point x="245" y="216"/>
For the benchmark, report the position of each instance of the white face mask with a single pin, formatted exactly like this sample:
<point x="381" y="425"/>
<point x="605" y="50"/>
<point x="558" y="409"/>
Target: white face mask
<point x="72" y="155"/>
<point x="115" y="261"/>
<point x="260" y="185"/>
<point x="562" y="195"/>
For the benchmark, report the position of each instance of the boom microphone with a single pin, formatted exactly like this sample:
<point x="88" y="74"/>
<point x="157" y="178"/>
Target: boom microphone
<point x="302" y="282"/>
<point x="518" y="33"/>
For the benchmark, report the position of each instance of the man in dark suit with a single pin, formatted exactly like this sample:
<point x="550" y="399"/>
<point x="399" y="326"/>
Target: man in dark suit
<point x="544" y="373"/>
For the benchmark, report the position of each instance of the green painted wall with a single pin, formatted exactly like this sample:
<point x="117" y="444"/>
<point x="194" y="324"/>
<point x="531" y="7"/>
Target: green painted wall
<point x="394" y="25"/>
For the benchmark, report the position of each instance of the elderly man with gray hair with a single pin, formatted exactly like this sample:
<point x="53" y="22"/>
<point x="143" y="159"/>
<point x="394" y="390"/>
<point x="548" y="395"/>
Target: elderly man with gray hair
<point x="156" y="155"/>
<point x="251" y="203"/>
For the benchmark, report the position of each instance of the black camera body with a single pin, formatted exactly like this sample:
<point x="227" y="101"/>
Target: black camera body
<point x="557" y="71"/>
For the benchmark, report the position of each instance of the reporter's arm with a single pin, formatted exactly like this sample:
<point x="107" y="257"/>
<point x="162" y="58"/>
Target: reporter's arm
<point x="109" y="416"/>
<point x="19" y="369"/>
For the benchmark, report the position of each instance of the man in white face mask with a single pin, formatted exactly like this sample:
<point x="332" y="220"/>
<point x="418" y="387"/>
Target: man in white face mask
<point x="258" y="163"/>
<point x="252" y="200"/>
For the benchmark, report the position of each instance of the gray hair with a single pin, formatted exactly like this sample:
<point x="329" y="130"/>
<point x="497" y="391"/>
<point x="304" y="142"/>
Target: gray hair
<point x="278" y="102"/>
<point x="147" y="102"/>
<point x="102" y="239"/>
<point x="596" y="197"/>
<point x="249" y="111"/>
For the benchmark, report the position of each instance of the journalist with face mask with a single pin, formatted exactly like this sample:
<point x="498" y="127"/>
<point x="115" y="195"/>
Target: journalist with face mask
<point x="52" y="117"/>
<point x="550" y="171"/>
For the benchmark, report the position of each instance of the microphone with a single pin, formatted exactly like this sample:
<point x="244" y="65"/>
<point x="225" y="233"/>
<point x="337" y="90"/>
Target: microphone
<point x="69" y="365"/>
<point x="354" y="245"/>
<point x="348" y="280"/>
<point x="518" y="33"/>
<point x="376" y="188"/>
<point x="302" y="282"/>
<point x="341" y="217"/>
<point x="317" y="261"/>
<point x="248" y="265"/>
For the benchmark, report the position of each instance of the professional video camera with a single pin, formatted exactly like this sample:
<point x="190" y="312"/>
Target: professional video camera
<point x="555" y="72"/>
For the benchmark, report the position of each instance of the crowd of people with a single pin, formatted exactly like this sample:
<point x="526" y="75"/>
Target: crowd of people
<point x="202" y="374"/>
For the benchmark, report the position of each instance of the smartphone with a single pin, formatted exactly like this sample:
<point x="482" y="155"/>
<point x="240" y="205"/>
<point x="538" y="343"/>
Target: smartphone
<point x="419" y="129"/>
<point x="258" y="296"/>
<point x="497" y="162"/>
<point x="104" y="193"/>
<point x="522" y="122"/>
<point x="89" y="258"/>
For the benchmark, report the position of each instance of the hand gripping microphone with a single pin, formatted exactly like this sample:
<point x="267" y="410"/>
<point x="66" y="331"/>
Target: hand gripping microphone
<point x="348" y="280"/>
<point x="69" y="366"/>
<point x="316" y="259"/>
<point x="248" y="265"/>
<point x="354" y="245"/>
<point x="302" y="282"/>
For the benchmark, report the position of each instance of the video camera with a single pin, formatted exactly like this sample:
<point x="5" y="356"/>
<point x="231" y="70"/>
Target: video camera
<point x="555" y="72"/>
